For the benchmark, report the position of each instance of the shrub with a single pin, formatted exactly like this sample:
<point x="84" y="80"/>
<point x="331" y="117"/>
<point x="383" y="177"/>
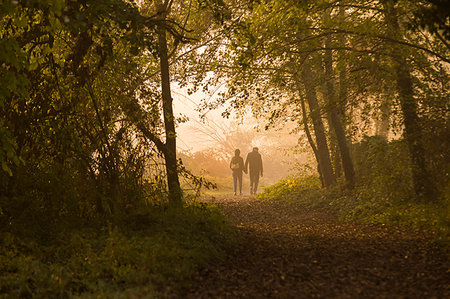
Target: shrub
<point x="306" y="189"/>
<point x="147" y="253"/>
<point x="383" y="193"/>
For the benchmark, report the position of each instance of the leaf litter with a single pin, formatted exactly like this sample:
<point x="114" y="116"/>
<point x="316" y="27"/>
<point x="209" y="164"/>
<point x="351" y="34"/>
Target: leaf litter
<point x="287" y="250"/>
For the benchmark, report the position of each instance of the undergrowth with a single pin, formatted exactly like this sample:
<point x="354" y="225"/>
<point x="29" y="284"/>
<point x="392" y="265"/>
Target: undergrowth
<point x="149" y="254"/>
<point x="383" y="192"/>
<point x="359" y="205"/>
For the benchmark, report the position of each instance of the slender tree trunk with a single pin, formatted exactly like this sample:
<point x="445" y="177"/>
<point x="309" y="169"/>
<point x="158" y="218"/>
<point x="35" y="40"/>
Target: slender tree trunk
<point x="310" y="140"/>
<point x="335" y="156"/>
<point x="423" y="185"/>
<point x="170" y="155"/>
<point x="323" y="154"/>
<point x="335" y="119"/>
<point x="342" y="95"/>
<point x="110" y="156"/>
<point x="384" y="117"/>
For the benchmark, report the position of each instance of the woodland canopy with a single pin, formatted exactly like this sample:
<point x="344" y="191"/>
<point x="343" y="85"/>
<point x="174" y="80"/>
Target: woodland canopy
<point x="88" y="131"/>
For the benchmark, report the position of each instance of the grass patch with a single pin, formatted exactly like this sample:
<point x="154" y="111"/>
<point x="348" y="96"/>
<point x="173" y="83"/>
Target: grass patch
<point x="292" y="189"/>
<point x="364" y="204"/>
<point x="225" y="185"/>
<point x="150" y="254"/>
<point x="431" y="217"/>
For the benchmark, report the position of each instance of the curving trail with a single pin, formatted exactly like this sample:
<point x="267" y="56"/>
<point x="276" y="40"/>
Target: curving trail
<point x="289" y="251"/>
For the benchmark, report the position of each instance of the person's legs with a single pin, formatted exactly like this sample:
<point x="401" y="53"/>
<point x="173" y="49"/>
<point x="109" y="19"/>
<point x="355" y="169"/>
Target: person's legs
<point x="234" y="182"/>
<point x="240" y="182"/>
<point x="255" y="182"/>
<point x="254" y="179"/>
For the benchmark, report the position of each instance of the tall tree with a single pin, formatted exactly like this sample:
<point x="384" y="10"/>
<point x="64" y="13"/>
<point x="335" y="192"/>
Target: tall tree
<point x="265" y="47"/>
<point x="170" y="153"/>
<point x="423" y="184"/>
<point x="323" y="154"/>
<point x="334" y="115"/>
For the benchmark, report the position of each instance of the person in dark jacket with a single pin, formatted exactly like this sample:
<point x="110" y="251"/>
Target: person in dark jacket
<point x="254" y="164"/>
<point x="237" y="167"/>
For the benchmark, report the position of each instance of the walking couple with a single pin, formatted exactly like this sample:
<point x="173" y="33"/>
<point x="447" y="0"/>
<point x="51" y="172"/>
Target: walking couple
<point x="253" y="162"/>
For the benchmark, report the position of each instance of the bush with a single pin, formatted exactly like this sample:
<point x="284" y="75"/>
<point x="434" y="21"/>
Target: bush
<point x="307" y="189"/>
<point x="383" y="170"/>
<point x="383" y="193"/>
<point x="146" y="253"/>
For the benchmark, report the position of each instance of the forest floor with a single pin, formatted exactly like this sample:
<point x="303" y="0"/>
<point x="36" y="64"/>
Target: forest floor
<point x="287" y="250"/>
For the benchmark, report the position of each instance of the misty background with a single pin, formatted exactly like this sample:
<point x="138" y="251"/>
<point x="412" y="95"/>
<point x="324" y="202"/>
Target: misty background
<point x="207" y="140"/>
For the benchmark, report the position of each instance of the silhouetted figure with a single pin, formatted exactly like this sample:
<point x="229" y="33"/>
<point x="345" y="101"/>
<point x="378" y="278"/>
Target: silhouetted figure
<point x="254" y="164"/>
<point x="237" y="166"/>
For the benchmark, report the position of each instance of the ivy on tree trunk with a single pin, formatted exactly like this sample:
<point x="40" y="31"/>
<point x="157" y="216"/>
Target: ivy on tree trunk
<point x="170" y="154"/>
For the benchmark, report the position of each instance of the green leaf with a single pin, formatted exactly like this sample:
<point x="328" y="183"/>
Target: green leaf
<point x="6" y="168"/>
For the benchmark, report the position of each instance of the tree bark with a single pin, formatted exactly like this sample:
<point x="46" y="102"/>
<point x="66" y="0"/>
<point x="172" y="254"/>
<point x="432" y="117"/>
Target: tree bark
<point x="423" y="185"/>
<point x="311" y="141"/>
<point x="170" y="155"/>
<point x="384" y="117"/>
<point x="323" y="154"/>
<point x="342" y="95"/>
<point x="335" y="119"/>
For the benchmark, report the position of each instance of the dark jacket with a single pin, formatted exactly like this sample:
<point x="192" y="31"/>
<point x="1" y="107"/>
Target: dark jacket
<point x="254" y="162"/>
<point x="239" y="161"/>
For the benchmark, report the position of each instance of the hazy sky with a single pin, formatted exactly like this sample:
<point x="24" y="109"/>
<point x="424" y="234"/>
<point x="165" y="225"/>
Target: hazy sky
<point x="188" y="136"/>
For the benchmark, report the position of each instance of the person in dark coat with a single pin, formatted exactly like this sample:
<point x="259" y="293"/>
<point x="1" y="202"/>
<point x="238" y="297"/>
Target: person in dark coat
<point x="237" y="167"/>
<point x="254" y="164"/>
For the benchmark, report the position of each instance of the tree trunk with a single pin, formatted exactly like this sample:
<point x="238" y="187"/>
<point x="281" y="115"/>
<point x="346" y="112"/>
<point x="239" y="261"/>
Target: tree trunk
<point x="335" y="157"/>
<point x="323" y="154"/>
<point x="384" y="118"/>
<point x="311" y="141"/>
<point x="170" y="155"/>
<point x="423" y="186"/>
<point x="342" y="96"/>
<point x="335" y="119"/>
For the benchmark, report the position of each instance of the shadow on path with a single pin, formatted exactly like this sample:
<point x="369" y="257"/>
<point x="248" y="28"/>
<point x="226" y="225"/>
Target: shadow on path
<point x="288" y="251"/>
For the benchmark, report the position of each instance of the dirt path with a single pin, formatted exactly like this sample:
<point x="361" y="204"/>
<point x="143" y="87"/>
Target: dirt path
<point x="288" y="251"/>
